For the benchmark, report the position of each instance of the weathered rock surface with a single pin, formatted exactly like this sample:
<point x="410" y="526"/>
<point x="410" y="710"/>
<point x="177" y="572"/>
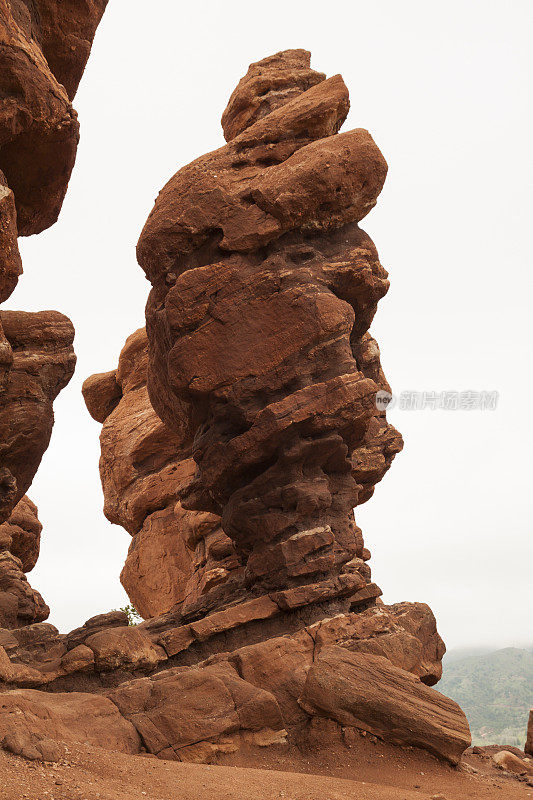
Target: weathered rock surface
<point x="176" y="556"/>
<point x="32" y="723"/>
<point x="405" y="634"/>
<point x="179" y="558"/>
<point x="369" y="693"/>
<point x="44" y="46"/>
<point x="10" y="261"/>
<point x="257" y="694"/>
<point x="261" y="363"/>
<point x="19" y="549"/>
<point x="528" y="749"/>
<point x="512" y="763"/>
<point x="19" y="603"/>
<point x="190" y="714"/>
<point x="263" y="290"/>
<point x="249" y="695"/>
<point x="21" y="533"/>
<point x="268" y="84"/>
<point x="39" y="363"/>
<point x="65" y="33"/>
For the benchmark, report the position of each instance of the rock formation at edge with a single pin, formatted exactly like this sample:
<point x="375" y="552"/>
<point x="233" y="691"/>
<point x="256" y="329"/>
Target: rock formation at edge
<point x="20" y="536"/>
<point x="44" y="46"/>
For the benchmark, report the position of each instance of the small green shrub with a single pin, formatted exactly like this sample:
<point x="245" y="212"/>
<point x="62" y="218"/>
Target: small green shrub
<point x="133" y="615"/>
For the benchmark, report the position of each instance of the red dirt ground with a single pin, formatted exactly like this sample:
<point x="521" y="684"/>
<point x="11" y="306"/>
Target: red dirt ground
<point x="374" y="772"/>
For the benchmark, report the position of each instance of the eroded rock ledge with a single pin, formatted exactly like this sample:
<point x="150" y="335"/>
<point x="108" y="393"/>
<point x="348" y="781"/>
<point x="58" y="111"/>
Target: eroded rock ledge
<point x="184" y="705"/>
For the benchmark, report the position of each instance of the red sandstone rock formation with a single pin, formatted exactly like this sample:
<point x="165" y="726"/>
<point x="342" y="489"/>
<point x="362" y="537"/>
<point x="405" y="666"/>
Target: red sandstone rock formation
<point x="21" y="534"/>
<point x="259" y="693"/>
<point x="263" y="290"/>
<point x="370" y="693"/>
<point x="176" y="556"/>
<point x="528" y="749"/>
<point x="263" y="372"/>
<point x="64" y="32"/>
<point x="32" y="723"/>
<point x="39" y="362"/>
<point x="19" y="549"/>
<point x="44" y="46"/>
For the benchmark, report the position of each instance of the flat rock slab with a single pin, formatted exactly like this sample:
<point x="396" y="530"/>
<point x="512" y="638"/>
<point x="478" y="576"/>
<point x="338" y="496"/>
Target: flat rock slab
<point x="185" y="714"/>
<point x="369" y="693"/>
<point x="29" y="717"/>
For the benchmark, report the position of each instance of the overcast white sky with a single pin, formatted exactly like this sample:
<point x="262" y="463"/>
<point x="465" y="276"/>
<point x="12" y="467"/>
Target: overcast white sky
<point x="444" y="88"/>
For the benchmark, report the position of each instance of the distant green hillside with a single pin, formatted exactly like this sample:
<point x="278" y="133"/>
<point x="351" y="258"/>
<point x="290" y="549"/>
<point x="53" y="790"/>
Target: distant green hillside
<point x="495" y="690"/>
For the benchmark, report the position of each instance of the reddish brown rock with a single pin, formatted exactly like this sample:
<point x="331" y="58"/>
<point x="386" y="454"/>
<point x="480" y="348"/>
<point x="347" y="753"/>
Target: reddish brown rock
<point x="65" y="32"/>
<point x="176" y="556"/>
<point x="279" y="665"/>
<point x="32" y="723"/>
<point x="405" y="634"/>
<point x="512" y="763"/>
<point x="142" y="468"/>
<point x="19" y="549"/>
<point x="268" y="84"/>
<point x="190" y="714"/>
<point x="114" y="648"/>
<point x="21" y="533"/>
<point x="102" y="394"/>
<point x="19" y="603"/>
<point x="251" y="401"/>
<point x="41" y="364"/>
<point x="101" y="622"/>
<point x="142" y="461"/>
<point x="79" y="659"/>
<point x="267" y="682"/>
<point x="10" y="262"/>
<point x="382" y="442"/>
<point x="528" y="749"/>
<point x="263" y="290"/>
<point x="42" y="45"/>
<point x="367" y="692"/>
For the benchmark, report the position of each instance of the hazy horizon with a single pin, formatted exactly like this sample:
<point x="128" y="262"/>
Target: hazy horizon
<point x="443" y="90"/>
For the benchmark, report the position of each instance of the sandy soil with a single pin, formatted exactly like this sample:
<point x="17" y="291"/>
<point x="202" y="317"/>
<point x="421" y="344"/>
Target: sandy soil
<point x="375" y="772"/>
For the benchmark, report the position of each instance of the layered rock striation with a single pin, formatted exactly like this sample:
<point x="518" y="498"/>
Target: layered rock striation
<point x="278" y="690"/>
<point x="175" y="556"/>
<point x="264" y="287"/>
<point x="181" y="559"/>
